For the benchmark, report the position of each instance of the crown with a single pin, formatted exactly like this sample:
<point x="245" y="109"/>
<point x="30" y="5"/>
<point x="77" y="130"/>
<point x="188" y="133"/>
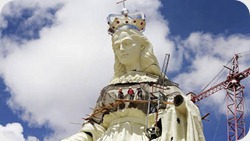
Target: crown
<point x="126" y="21"/>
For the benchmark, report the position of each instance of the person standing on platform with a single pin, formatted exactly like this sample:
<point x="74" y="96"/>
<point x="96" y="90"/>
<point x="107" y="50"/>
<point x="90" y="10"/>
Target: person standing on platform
<point x="121" y="96"/>
<point x="139" y="93"/>
<point x="131" y="93"/>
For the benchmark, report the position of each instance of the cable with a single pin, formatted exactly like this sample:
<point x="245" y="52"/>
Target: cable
<point x="217" y="127"/>
<point x="244" y="53"/>
<point x="215" y="76"/>
<point x="246" y="109"/>
<point x="218" y="123"/>
<point x="223" y="74"/>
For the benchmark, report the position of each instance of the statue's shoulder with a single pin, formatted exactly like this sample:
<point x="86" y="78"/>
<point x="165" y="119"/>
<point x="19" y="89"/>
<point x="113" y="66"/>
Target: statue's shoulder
<point x="134" y="77"/>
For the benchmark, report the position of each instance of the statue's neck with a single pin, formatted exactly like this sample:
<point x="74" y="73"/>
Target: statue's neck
<point x="136" y="67"/>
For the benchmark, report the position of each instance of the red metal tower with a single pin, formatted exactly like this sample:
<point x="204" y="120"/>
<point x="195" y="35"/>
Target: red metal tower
<point x="234" y="99"/>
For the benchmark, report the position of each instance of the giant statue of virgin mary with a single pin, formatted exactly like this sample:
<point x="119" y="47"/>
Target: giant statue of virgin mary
<point x="140" y="103"/>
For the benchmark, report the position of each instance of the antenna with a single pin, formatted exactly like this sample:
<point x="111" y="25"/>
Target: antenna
<point x="165" y="63"/>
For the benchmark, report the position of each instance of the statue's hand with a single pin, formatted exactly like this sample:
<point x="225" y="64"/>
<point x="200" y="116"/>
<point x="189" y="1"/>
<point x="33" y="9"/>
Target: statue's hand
<point x="81" y="136"/>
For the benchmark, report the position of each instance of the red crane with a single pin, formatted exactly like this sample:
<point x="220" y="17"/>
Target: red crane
<point x="234" y="99"/>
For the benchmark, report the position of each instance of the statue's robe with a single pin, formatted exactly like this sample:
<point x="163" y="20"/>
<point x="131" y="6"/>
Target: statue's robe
<point x="129" y="122"/>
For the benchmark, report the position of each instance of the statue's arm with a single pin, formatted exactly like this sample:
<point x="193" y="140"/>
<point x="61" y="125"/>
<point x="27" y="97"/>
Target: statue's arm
<point x="81" y="136"/>
<point x="89" y="132"/>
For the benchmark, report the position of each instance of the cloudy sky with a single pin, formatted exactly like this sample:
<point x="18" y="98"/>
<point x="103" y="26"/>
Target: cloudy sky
<point x="56" y="56"/>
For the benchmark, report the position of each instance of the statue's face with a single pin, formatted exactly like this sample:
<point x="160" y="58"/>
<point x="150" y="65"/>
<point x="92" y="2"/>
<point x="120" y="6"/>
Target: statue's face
<point x="127" y="49"/>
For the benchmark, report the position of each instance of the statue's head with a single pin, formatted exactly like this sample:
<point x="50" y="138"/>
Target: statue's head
<point x="133" y="52"/>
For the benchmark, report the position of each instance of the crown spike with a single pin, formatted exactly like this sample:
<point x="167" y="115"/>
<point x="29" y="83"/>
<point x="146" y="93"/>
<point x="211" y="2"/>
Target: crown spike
<point x="124" y="9"/>
<point x="123" y="2"/>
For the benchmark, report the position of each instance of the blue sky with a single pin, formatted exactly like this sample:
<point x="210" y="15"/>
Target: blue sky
<point x="48" y="51"/>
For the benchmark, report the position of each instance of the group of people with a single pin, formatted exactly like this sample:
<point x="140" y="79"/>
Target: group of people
<point x="131" y="94"/>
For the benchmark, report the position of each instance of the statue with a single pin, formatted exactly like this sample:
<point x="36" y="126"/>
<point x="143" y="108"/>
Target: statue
<point x="158" y="110"/>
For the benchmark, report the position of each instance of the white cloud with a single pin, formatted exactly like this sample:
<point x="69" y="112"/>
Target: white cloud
<point x="3" y="3"/>
<point x="32" y="138"/>
<point x="11" y="132"/>
<point x="54" y="80"/>
<point x="14" y="132"/>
